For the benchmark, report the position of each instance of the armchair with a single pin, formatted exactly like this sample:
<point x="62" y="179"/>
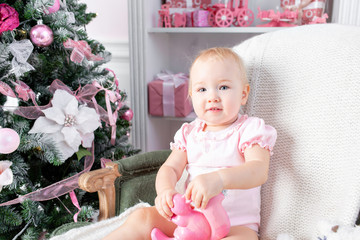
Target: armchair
<point x="121" y="185"/>
<point x="306" y="83"/>
<point x="124" y="183"/>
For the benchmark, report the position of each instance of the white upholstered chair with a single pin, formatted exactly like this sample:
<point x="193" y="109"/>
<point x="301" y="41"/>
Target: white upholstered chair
<point x="305" y="81"/>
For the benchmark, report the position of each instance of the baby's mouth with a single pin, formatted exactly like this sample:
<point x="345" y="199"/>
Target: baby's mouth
<point x="214" y="109"/>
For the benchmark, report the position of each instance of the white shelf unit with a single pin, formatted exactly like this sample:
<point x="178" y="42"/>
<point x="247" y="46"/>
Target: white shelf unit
<point x="199" y="30"/>
<point x="154" y="49"/>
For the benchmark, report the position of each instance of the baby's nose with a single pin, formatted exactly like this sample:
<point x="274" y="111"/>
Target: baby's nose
<point x="213" y="97"/>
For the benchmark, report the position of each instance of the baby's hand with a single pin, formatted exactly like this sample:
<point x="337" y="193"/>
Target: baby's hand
<point x="203" y="188"/>
<point x="164" y="203"/>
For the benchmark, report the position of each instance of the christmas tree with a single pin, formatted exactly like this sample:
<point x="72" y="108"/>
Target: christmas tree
<point x="61" y="112"/>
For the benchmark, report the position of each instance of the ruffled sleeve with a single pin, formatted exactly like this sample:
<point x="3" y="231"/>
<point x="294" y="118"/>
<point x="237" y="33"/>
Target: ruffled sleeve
<point x="255" y="131"/>
<point x="180" y="138"/>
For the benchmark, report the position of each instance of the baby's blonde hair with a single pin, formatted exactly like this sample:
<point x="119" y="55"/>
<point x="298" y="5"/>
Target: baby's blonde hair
<point x="220" y="53"/>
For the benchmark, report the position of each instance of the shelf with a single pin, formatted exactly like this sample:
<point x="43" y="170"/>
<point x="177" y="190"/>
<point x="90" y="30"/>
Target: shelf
<point x="215" y="30"/>
<point x="188" y="118"/>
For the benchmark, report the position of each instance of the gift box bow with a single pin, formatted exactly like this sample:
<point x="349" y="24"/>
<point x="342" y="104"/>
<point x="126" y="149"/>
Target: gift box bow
<point x="174" y="79"/>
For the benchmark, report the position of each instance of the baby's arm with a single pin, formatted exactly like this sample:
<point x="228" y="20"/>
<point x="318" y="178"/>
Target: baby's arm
<point x="252" y="173"/>
<point x="249" y="175"/>
<point x="166" y="179"/>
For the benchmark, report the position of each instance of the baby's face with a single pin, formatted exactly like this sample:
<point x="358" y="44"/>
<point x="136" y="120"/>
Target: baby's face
<point x="217" y="92"/>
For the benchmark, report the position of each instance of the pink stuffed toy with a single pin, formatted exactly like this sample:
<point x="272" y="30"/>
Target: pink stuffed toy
<point x="212" y="223"/>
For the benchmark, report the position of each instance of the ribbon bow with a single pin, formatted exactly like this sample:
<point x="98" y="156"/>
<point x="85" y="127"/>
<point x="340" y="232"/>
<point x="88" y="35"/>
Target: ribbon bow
<point x="168" y="76"/>
<point x="21" y="51"/>
<point x="81" y="49"/>
<point x="114" y="97"/>
<point x="24" y="91"/>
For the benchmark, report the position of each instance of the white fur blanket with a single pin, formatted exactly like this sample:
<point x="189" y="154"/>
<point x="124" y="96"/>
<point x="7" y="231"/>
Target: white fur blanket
<point x="98" y="230"/>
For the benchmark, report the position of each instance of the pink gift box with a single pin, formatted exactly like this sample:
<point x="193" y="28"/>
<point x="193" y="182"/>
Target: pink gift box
<point x="197" y="18"/>
<point x="181" y="102"/>
<point x="315" y="9"/>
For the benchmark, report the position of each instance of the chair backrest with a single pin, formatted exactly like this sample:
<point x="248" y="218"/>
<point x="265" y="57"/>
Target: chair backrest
<point x="305" y="81"/>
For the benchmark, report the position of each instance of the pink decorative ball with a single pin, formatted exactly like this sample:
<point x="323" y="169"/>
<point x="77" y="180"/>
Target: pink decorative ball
<point x="128" y="115"/>
<point x="9" y="140"/>
<point x="41" y="35"/>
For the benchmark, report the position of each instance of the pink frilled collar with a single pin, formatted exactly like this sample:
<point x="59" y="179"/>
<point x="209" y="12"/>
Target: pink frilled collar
<point x="219" y="135"/>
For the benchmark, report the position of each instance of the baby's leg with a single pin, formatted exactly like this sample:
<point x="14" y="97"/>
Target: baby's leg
<point x="139" y="225"/>
<point x="241" y="233"/>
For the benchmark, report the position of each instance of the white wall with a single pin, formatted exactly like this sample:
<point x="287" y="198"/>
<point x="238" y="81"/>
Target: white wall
<point x="110" y="27"/>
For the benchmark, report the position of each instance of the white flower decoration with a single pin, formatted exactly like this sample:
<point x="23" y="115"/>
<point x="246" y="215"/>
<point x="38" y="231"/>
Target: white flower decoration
<point x="6" y="175"/>
<point x="68" y="124"/>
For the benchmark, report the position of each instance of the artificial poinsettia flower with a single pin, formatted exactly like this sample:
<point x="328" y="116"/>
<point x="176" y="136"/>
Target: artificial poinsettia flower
<point x="67" y="124"/>
<point x="6" y="175"/>
<point x="9" y="18"/>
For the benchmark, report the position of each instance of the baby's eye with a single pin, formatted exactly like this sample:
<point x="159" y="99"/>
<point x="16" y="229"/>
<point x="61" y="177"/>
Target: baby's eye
<point x="224" y="87"/>
<point x="201" y="89"/>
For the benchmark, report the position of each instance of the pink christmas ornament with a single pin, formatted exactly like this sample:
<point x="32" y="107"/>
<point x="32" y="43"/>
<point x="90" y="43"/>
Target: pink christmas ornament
<point x="53" y="8"/>
<point x="41" y="35"/>
<point x="9" y="140"/>
<point x="128" y="115"/>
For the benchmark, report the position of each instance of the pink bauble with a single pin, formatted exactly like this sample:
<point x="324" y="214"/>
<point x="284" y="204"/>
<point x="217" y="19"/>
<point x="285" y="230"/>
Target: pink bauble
<point x="128" y="115"/>
<point x="53" y="8"/>
<point x="41" y="35"/>
<point x="9" y="140"/>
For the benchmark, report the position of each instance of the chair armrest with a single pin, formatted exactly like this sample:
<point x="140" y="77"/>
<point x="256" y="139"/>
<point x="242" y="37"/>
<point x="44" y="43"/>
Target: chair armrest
<point x="124" y="182"/>
<point x="102" y="181"/>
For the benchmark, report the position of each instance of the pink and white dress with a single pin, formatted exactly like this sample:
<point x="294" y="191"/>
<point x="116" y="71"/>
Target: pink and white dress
<point x="210" y="151"/>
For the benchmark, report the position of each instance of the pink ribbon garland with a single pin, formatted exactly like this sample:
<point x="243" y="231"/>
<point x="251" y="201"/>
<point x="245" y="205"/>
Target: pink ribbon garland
<point x="83" y="95"/>
<point x="57" y="189"/>
<point x="76" y="204"/>
<point x="81" y="49"/>
<point x="6" y="90"/>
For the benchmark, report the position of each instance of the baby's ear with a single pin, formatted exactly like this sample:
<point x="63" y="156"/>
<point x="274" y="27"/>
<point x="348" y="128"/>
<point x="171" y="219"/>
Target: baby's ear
<point x="245" y="94"/>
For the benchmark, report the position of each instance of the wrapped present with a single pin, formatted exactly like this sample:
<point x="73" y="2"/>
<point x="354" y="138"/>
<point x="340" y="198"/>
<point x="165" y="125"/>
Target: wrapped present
<point x="168" y="95"/>
<point x="312" y="11"/>
<point x="197" y="18"/>
<point x="188" y="3"/>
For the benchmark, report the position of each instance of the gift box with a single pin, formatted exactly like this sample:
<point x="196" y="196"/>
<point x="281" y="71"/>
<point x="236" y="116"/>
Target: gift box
<point x="188" y="3"/>
<point x="168" y="95"/>
<point x="314" y="10"/>
<point x="197" y="18"/>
